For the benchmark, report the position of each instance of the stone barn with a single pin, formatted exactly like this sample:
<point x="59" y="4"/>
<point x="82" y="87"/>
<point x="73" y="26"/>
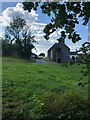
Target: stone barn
<point x="59" y="52"/>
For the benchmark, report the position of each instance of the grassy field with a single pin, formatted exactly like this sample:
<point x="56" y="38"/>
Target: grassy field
<point x="10" y="60"/>
<point x="43" y="91"/>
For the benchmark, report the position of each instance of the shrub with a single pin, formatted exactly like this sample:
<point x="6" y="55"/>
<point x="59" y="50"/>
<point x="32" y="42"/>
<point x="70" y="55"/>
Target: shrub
<point x="63" y="106"/>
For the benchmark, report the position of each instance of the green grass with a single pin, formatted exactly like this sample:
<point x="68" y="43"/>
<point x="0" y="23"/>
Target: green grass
<point x="10" y="60"/>
<point x="26" y="86"/>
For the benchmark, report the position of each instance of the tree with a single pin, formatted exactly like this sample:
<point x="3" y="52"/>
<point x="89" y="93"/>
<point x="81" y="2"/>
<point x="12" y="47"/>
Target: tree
<point x="85" y="52"/>
<point x="42" y="54"/>
<point x="65" y="17"/>
<point x="13" y="31"/>
<point x="27" y="41"/>
<point x="84" y="55"/>
<point x="18" y="33"/>
<point x="5" y="47"/>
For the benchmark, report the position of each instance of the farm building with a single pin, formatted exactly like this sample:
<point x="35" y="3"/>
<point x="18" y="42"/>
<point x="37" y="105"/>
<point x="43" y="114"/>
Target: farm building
<point x="73" y="54"/>
<point x="59" y="52"/>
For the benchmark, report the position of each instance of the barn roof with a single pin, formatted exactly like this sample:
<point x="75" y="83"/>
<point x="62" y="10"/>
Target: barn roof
<point x="57" y="45"/>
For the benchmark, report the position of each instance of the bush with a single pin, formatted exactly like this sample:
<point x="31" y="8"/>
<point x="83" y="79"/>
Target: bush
<point x="63" y="106"/>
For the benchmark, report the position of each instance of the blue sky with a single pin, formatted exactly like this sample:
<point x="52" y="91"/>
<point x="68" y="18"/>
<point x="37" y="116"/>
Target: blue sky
<point x="38" y="20"/>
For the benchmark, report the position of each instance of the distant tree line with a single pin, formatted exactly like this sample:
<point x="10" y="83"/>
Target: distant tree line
<point x="18" y="39"/>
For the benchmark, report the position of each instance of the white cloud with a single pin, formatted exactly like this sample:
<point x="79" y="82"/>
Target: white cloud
<point x="74" y="47"/>
<point x="19" y="6"/>
<point x="10" y="12"/>
<point x="37" y="26"/>
<point x="39" y="36"/>
<point x="53" y="35"/>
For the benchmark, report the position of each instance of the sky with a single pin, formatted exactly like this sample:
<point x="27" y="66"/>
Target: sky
<point x="36" y="20"/>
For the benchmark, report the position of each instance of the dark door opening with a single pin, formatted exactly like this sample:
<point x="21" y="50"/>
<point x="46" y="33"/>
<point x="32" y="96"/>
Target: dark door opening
<point x="59" y="60"/>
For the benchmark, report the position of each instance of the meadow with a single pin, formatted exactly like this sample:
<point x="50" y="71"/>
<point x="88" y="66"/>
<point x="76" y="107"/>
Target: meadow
<point x="43" y="91"/>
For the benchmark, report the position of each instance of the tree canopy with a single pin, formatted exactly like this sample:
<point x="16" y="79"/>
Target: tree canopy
<point x="18" y="34"/>
<point x="65" y="17"/>
<point x="42" y="54"/>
